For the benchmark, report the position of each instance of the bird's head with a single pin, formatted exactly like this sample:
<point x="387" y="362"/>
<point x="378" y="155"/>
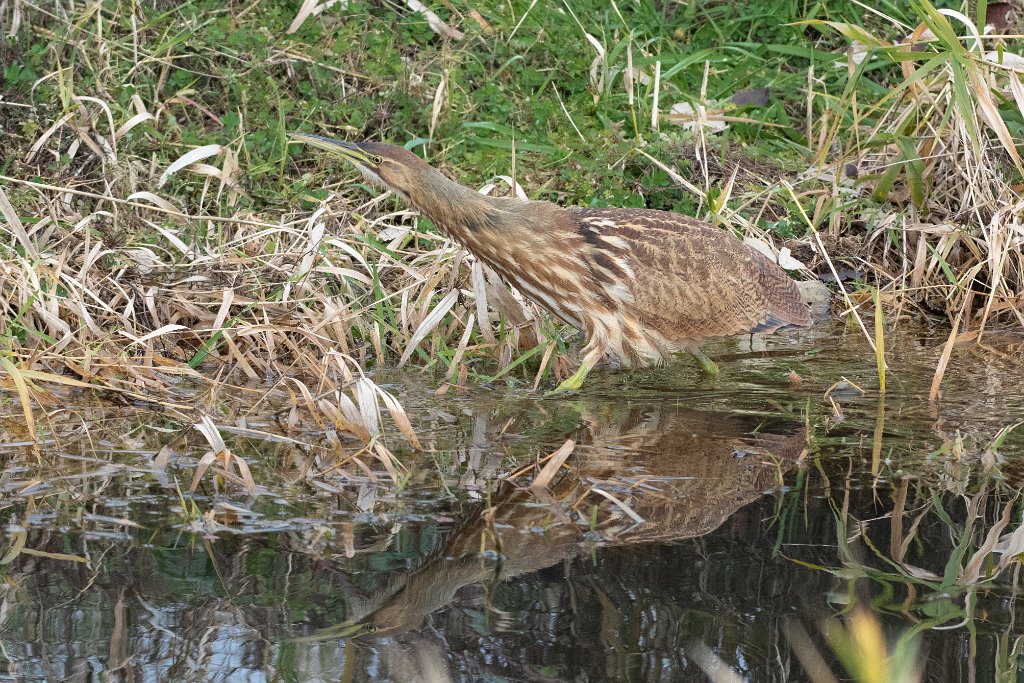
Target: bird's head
<point x="390" y="166"/>
<point x="448" y="204"/>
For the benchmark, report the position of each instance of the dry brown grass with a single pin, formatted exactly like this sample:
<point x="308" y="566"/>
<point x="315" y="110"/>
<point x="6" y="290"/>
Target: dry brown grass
<point x="131" y="280"/>
<point x="938" y="150"/>
<point x="303" y="304"/>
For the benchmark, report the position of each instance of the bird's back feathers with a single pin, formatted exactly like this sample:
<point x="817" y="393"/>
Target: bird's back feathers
<point x="693" y="280"/>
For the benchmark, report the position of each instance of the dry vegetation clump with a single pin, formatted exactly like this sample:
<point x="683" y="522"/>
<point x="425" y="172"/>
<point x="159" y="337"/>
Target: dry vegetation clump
<point x="351" y="264"/>
<point x="147" y="282"/>
<point x="940" y="150"/>
<point x="266" y="299"/>
<point x="299" y="307"/>
<point x="132" y="255"/>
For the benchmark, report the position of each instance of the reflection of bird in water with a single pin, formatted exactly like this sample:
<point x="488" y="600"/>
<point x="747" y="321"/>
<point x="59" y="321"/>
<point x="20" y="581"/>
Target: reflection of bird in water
<point x="683" y="472"/>
<point x="642" y="284"/>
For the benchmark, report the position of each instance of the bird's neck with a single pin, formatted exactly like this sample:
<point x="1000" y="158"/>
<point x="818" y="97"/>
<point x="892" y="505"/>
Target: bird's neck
<point x="459" y="210"/>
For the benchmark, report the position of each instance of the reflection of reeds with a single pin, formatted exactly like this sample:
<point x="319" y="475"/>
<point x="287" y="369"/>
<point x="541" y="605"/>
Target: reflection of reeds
<point x="931" y="557"/>
<point x="352" y="411"/>
<point x="89" y="454"/>
<point x="977" y="540"/>
<point x="945" y="540"/>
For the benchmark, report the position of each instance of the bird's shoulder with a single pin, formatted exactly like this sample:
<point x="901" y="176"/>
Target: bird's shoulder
<point x="641" y="220"/>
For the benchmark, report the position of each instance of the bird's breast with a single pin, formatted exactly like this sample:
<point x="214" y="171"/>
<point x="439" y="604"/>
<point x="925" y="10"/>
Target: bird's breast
<point x="553" y="278"/>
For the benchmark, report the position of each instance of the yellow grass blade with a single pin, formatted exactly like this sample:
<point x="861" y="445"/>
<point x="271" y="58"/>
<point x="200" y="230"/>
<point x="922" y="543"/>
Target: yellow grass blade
<point x="555" y="461"/>
<point x="21" y="386"/>
<point x="879" y="341"/>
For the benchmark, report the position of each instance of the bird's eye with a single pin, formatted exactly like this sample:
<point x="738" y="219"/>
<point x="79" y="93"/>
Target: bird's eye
<point x="377" y="160"/>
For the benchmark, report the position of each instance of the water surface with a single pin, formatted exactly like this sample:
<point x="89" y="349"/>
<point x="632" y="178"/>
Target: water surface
<point x="697" y="522"/>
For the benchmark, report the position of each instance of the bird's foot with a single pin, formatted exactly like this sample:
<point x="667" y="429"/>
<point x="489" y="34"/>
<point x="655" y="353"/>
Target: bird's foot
<point x="573" y="383"/>
<point x="706" y="364"/>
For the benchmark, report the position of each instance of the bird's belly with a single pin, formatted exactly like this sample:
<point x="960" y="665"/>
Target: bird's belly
<point x="570" y="291"/>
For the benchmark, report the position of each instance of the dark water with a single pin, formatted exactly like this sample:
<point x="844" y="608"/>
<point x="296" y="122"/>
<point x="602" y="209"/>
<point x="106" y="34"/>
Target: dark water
<point x="699" y="524"/>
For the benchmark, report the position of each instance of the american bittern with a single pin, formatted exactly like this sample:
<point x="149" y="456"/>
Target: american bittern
<point x="642" y="284"/>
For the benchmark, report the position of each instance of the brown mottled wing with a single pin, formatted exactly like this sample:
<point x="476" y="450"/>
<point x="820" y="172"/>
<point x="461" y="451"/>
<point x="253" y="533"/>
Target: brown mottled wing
<point x="692" y="280"/>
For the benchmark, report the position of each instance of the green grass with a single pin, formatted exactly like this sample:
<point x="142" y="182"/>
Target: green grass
<point x="372" y="72"/>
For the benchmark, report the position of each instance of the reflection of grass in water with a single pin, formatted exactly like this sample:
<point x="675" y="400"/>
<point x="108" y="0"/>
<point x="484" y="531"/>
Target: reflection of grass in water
<point x="210" y="462"/>
<point x="955" y="534"/>
<point x="862" y="648"/>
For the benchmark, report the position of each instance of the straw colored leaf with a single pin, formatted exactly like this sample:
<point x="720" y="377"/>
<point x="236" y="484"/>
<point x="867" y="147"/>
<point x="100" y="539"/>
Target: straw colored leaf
<point x="879" y="341"/>
<point x="947" y="351"/>
<point x="350" y="417"/>
<point x="994" y="120"/>
<point x="436" y="23"/>
<point x="40" y="376"/>
<point x="204" y="463"/>
<point x="388" y="459"/>
<point x="1011" y="547"/>
<point x="439" y="98"/>
<point x="619" y="504"/>
<point x="166" y="329"/>
<point x="111" y="152"/>
<point x="689" y="118"/>
<point x="369" y="411"/>
<point x="308" y="9"/>
<point x="209" y="430"/>
<point x="21" y="386"/>
<point x="187" y="159"/>
<point x="400" y="417"/>
<point x="47" y="134"/>
<point x="63" y="557"/>
<point x="429" y="323"/>
<point x="245" y="472"/>
<point x="784" y="257"/>
<point x="972" y="571"/>
<point x="555" y="461"/>
<point x="15" y="225"/>
<point x="483" y="314"/>
<point x="153" y="199"/>
<point x="17" y="539"/>
<point x="127" y="126"/>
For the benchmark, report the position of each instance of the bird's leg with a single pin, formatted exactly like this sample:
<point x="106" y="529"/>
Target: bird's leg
<point x="706" y="364"/>
<point x="575" y="382"/>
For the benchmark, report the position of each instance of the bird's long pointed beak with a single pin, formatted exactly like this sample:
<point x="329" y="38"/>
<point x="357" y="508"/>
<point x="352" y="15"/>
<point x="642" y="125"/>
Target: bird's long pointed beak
<point x="346" y="150"/>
